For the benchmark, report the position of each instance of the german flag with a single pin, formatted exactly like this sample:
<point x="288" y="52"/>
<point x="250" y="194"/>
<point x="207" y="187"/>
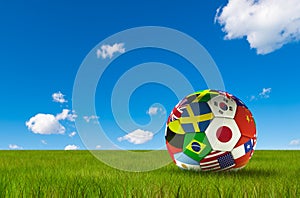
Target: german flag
<point x="174" y="139"/>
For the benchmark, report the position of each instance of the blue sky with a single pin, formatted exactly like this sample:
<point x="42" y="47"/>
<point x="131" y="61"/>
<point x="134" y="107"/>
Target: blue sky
<point x="44" y="43"/>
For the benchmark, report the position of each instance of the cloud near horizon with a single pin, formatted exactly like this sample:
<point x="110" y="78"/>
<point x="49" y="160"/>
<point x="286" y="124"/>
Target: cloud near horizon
<point x="295" y="142"/>
<point x="266" y="24"/>
<point x="71" y="147"/>
<point x="49" y="124"/>
<point x="45" y="124"/>
<point x="44" y="142"/>
<point x="15" y="147"/>
<point x="137" y="136"/>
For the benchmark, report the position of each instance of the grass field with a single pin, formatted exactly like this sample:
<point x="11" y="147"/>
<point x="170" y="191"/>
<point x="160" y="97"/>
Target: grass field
<point x="79" y="174"/>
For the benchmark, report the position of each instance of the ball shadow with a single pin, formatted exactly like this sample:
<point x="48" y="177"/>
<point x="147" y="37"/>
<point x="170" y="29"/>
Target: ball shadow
<point x="249" y="173"/>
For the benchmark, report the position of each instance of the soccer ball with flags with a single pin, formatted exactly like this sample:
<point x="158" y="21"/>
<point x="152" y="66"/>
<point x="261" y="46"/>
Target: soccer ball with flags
<point x="211" y="130"/>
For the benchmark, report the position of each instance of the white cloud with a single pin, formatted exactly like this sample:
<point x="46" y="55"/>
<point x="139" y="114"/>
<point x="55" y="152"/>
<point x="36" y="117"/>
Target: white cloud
<point x="265" y="93"/>
<point x="43" y="141"/>
<point x="137" y="137"/>
<point x="65" y="114"/>
<point x="152" y="111"/>
<point x="89" y="118"/>
<point x="14" y="146"/>
<point x="266" y="24"/>
<point x="295" y="142"/>
<point x="45" y="124"/>
<point x="72" y="116"/>
<point x="252" y="98"/>
<point x="72" y="134"/>
<point x="109" y="50"/>
<point x="71" y="147"/>
<point x="155" y="110"/>
<point x="49" y="124"/>
<point x="98" y="146"/>
<point x="59" y="97"/>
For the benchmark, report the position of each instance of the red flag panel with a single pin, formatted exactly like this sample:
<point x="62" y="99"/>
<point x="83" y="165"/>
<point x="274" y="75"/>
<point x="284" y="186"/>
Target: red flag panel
<point x="245" y="122"/>
<point x="242" y="161"/>
<point x="242" y="140"/>
<point x="172" y="150"/>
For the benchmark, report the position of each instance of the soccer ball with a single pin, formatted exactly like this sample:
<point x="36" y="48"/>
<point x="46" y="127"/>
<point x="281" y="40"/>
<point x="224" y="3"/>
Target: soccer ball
<point x="210" y="130"/>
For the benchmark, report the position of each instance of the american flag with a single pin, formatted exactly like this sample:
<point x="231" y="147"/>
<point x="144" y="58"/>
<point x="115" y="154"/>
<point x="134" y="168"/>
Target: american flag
<point x="217" y="160"/>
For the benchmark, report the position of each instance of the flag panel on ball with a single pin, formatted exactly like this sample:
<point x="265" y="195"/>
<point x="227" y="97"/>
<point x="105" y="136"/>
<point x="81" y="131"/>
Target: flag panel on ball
<point x="217" y="160"/>
<point x="172" y="150"/>
<point x="196" y="96"/>
<point x="196" y="145"/>
<point x="196" y="109"/>
<point x="254" y="142"/>
<point x="192" y="97"/>
<point x="189" y="128"/>
<point x="208" y="96"/>
<point x="193" y="115"/>
<point x="176" y="112"/>
<point x="223" y="134"/>
<point x="185" y="162"/>
<point x="242" y="161"/>
<point x="242" y="140"/>
<point x="239" y="102"/>
<point x="241" y="150"/>
<point x="176" y="127"/>
<point x="222" y="106"/>
<point x="245" y="122"/>
<point x="203" y="125"/>
<point x="226" y="161"/>
<point x="204" y="95"/>
<point x="174" y="139"/>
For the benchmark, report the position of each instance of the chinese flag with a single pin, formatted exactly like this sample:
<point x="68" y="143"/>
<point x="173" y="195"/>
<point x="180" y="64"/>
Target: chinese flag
<point x="245" y="122"/>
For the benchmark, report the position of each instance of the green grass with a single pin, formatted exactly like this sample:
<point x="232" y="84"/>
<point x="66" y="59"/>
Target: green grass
<point x="79" y="174"/>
